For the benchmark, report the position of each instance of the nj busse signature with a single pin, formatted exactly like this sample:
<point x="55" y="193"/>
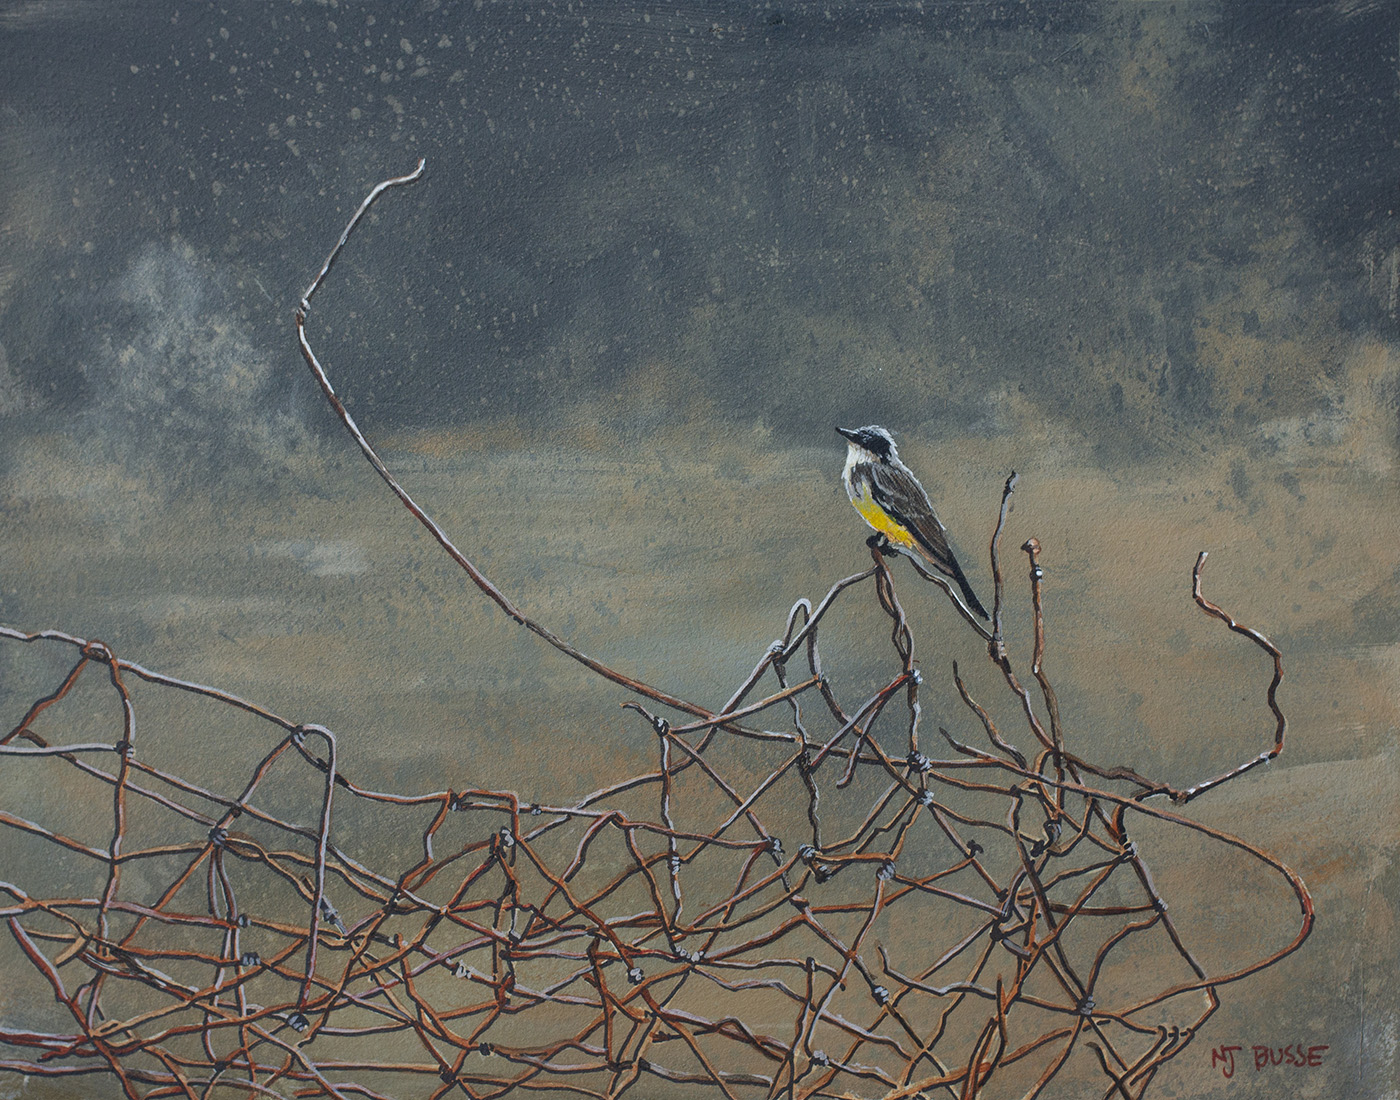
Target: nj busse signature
<point x="1295" y="1054"/>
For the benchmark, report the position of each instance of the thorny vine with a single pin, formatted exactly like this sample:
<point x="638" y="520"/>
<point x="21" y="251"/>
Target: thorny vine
<point x="954" y="924"/>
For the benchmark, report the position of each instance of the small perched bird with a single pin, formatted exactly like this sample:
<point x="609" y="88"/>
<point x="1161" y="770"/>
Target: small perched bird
<point x="889" y="497"/>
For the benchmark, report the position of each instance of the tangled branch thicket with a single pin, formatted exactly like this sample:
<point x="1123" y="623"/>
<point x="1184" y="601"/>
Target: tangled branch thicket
<point x="864" y="913"/>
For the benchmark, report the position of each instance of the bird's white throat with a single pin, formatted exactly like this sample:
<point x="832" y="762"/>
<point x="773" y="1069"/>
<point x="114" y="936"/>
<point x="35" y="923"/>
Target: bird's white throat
<point x="855" y="453"/>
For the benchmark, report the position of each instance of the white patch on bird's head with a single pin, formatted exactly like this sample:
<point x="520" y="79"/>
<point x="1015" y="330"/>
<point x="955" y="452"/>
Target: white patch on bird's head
<point x="869" y="444"/>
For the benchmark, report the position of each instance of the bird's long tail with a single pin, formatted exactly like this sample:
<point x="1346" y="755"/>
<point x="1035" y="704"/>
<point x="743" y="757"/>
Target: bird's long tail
<point x="970" y="596"/>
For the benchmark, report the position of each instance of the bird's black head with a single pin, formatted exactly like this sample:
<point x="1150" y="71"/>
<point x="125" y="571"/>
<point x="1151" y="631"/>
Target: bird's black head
<point x="872" y="438"/>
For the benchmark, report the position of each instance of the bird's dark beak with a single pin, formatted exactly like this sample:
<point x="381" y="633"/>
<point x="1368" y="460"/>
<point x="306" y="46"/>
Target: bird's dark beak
<point x="849" y="433"/>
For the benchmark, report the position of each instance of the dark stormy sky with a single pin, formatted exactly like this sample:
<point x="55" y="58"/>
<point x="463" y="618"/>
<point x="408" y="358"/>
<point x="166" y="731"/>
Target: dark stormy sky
<point x="812" y="211"/>
<point x="1146" y="254"/>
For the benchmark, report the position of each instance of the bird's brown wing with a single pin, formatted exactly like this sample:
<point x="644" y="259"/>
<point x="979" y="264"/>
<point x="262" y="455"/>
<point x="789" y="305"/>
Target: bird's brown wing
<point x="899" y="493"/>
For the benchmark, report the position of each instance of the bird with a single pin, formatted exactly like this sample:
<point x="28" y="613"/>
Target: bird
<point x="890" y="499"/>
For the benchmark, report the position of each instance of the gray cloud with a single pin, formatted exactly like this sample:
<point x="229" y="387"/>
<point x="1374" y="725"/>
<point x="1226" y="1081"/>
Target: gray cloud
<point x="177" y="391"/>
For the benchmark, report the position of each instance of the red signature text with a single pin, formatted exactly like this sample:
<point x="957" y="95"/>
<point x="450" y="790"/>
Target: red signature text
<point x="1295" y="1054"/>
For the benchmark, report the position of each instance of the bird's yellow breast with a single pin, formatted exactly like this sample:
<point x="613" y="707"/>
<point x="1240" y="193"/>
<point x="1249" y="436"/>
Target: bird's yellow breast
<point x="881" y="520"/>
